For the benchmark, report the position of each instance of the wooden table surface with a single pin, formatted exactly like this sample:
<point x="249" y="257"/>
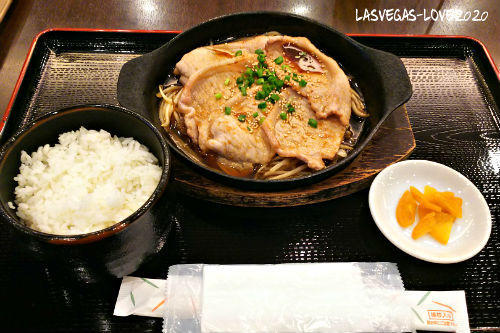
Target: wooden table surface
<point x="26" y="18"/>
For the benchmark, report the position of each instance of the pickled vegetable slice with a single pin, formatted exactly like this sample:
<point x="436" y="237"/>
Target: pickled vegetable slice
<point x="406" y="210"/>
<point x="424" y="226"/>
<point x="442" y="229"/>
<point x="419" y="196"/>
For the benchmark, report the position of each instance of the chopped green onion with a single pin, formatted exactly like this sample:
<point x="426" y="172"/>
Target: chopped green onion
<point x="296" y="79"/>
<point x="266" y="89"/>
<point x="238" y="53"/>
<point x="226" y="82"/>
<point x="260" y="95"/>
<point x="287" y="77"/>
<point x="291" y="109"/>
<point x="243" y="90"/>
<point x="249" y="129"/>
<point x="313" y="122"/>
<point x="227" y="110"/>
<point x="264" y="77"/>
<point x="283" y="115"/>
<point x="302" y="83"/>
<point x="261" y="120"/>
<point x="242" y="117"/>
<point x="218" y="96"/>
<point x="255" y="114"/>
<point x="278" y="60"/>
<point x="302" y="53"/>
<point x="262" y="105"/>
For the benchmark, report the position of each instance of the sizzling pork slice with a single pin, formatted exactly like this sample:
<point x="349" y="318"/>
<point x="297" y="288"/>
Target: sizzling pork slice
<point x="206" y="56"/>
<point x="305" y="116"/>
<point x="327" y="87"/>
<point x="231" y="133"/>
<point x="295" y="137"/>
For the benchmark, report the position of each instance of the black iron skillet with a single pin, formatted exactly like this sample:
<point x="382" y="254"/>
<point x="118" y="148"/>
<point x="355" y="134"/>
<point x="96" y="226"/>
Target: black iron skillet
<point x="381" y="76"/>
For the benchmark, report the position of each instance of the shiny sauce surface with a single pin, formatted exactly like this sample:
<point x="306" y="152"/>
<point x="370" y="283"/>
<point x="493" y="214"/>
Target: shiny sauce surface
<point x="301" y="60"/>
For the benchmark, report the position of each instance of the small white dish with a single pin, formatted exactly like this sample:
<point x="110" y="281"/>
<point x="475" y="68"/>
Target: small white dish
<point x="469" y="233"/>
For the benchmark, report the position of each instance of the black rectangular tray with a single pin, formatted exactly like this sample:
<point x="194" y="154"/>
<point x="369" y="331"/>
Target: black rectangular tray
<point x="454" y="113"/>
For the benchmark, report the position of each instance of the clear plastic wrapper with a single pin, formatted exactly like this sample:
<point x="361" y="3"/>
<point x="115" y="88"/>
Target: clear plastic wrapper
<point x="306" y="297"/>
<point x="183" y="293"/>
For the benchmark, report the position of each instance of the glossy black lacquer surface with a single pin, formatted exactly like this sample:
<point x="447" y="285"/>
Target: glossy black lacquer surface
<point x="117" y="250"/>
<point x="382" y="79"/>
<point x="454" y="114"/>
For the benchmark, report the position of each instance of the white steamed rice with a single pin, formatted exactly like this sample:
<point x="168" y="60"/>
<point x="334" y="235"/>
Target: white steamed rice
<point x="89" y="181"/>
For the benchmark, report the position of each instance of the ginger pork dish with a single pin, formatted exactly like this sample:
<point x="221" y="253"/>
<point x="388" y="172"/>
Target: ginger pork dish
<point x="262" y="107"/>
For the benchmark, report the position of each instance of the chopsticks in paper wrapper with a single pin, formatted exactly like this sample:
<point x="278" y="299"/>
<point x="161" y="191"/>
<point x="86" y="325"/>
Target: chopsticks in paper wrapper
<point x="439" y="310"/>
<point x="140" y="296"/>
<point x="306" y="297"/>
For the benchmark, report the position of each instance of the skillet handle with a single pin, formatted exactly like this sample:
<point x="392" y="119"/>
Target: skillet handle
<point x="396" y="86"/>
<point x="132" y="83"/>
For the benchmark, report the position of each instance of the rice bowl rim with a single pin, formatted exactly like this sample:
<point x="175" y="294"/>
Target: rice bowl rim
<point x="94" y="236"/>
